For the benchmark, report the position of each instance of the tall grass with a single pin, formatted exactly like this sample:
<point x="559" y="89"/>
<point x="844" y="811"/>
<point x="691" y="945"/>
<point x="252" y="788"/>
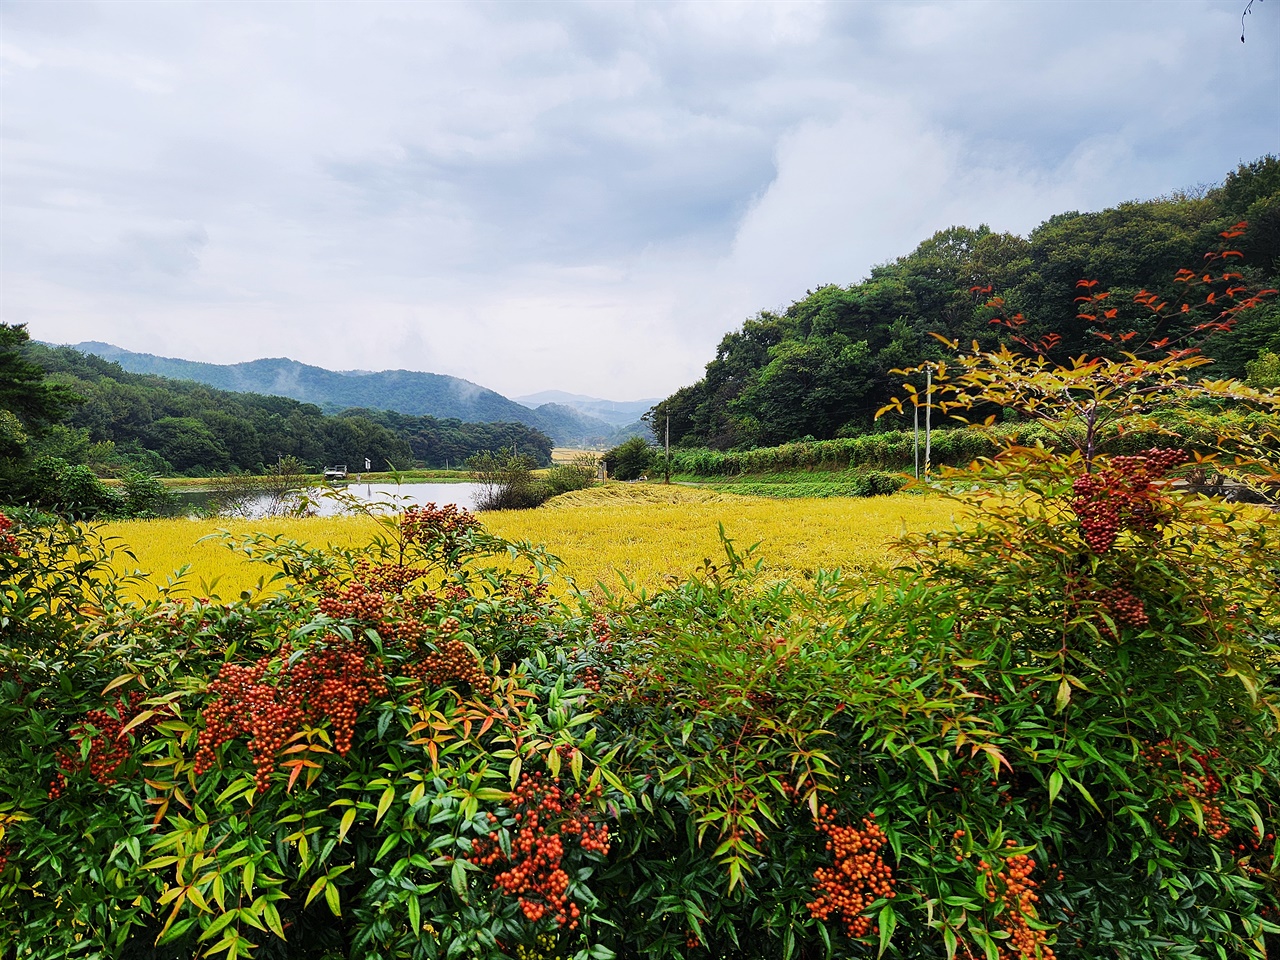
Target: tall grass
<point x="894" y="451"/>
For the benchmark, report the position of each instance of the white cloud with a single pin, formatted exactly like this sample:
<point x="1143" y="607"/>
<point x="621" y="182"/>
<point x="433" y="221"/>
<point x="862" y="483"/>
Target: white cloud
<point x="583" y="197"/>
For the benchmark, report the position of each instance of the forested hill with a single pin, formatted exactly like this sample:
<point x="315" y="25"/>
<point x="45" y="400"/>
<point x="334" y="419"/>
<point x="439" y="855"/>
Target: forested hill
<point x="151" y="423"/>
<point x="404" y="391"/>
<point x="820" y="368"/>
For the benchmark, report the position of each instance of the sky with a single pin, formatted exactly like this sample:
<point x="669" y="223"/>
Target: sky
<point x="571" y="196"/>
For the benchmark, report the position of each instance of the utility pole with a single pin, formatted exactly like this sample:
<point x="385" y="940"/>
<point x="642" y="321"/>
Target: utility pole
<point x="667" y="467"/>
<point x="916" y="404"/>
<point x="928" y="418"/>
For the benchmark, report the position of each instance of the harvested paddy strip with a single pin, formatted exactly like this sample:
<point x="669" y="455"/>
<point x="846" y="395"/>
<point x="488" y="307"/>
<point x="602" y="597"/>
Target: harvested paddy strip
<point x="645" y="532"/>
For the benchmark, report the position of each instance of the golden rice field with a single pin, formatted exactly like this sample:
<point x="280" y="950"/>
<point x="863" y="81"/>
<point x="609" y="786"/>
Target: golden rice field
<point x="646" y="532"/>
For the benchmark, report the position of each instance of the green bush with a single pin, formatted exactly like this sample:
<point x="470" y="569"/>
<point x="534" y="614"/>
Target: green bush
<point x="630" y="460"/>
<point x="70" y="489"/>
<point x="577" y="475"/>
<point x="145" y="495"/>
<point x="507" y="482"/>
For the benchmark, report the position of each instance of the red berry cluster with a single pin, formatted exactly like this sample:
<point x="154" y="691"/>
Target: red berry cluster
<point x="1121" y="494"/>
<point x="532" y="590"/>
<point x="1195" y="779"/>
<point x="108" y="748"/>
<point x="603" y="633"/>
<point x="1251" y="848"/>
<point x="8" y="542"/>
<point x="5" y="852"/>
<point x="1124" y="606"/>
<point x="545" y="816"/>
<point x="429" y="523"/>
<point x="590" y="678"/>
<point x="1016" y="891"/>
<point x="331" y="684"/>
<point x="857" y="878"/>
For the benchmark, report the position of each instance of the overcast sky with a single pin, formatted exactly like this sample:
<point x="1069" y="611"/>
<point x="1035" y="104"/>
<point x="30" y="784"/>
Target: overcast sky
<point x="574" y="196"/>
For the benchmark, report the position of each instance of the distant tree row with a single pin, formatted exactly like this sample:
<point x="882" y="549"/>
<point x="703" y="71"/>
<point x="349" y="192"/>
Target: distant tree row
<point x="435" y="442"/>
<point x="820" y="369"/>
<point x="58" y="404"/>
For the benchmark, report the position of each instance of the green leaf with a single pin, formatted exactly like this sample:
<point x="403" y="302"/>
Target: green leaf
<point x="348" y="819"/>
<point x="928" y="760"/>
<point x="316" y="889"/>
<point x="1055" y="785"/>
<point x="1063" y="697"/>
<point x="888" y="923"/>
<point x="272" y="917"/>
<point x="458" y="878"/>
<point x="384" y="802"/>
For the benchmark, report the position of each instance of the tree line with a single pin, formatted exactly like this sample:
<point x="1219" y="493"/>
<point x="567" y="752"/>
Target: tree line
<point x="821" y="368"/>
<point x="61" y="406"/>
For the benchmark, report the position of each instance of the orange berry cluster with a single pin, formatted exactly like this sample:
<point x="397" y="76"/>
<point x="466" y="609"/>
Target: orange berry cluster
<point x="451" y="662"/>
<point x="857" y="878"/>
<point x="1016" y="891"/>
<point x="331" y="684"/>
<point x="355" y="601"/>
<point x="534" y="873"/>
<point x="429" y="523"/>
<point x="108" y="749"/>
<point x="8" y="542"/>
<point x="590" y="678"/>
<point x="1201" y="785"/>
<point x="386" y="577"/>
<point x="1120" y="494"/>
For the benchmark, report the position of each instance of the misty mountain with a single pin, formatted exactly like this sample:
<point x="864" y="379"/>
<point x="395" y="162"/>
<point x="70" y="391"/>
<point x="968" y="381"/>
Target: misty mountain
<point x="404" y="391"/>
<point x="618" y="412"/>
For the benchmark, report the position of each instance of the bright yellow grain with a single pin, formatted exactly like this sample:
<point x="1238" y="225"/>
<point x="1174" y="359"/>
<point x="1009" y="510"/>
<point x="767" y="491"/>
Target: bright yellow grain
<point x="648" y="532"/>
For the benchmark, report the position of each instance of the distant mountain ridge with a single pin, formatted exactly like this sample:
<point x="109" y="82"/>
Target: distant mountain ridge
<point x="405" y="391"/>
<point x="618" y="412"/>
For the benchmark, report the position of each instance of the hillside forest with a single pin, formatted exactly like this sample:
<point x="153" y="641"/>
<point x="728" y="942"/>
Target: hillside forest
<point x="821" y="368"/>
<point x="115" y="422"/>
<point x="564" y="418"/>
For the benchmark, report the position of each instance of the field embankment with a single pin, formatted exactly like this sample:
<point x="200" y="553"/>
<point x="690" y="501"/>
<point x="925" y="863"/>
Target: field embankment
<point x="645" y="532"/>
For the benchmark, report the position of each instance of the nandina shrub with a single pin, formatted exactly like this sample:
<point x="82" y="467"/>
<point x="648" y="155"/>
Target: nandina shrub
<point x="1047" y="732"/>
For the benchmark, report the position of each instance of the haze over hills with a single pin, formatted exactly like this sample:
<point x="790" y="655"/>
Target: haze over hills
<point x="618" y="412"/>
<point x="411" y="392"/>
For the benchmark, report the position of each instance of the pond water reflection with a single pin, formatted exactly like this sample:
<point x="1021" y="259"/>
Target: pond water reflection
<point x="393" y="496"/>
